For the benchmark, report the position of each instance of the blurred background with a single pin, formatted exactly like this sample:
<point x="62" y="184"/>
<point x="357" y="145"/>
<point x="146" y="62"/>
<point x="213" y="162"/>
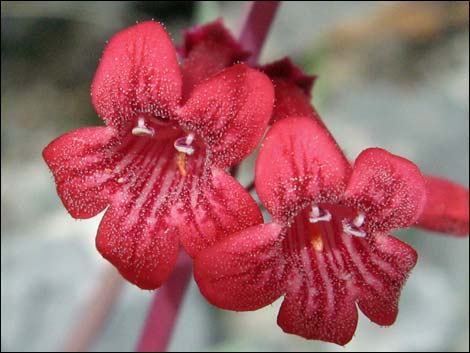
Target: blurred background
<point x="390" y="74"/>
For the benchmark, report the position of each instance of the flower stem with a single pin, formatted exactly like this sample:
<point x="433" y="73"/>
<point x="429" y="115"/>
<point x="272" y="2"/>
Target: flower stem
<point x="256" y="27"/>
<point x="161" y="318"/>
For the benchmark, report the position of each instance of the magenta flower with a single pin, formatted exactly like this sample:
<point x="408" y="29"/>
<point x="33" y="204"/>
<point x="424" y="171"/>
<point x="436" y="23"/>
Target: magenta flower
<point x="328" y="246"/>
<point x="159" y="163"/>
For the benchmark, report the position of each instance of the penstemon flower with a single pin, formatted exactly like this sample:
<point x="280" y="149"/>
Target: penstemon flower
<point x="159" y="163"/>
<point x="292" y="90"/>
<point x="446" y="208"/>
<point x="328" y="246"/>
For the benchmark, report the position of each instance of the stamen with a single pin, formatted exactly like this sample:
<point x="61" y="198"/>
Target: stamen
<point x="141" y="129"/>
<point x="355" y="227"/>
<point x="183" y="144"/>
<point x="185" y="149"/>
<point x="359" y="220"/>
<point x="181" y="162"/>
<point x="315" y="212"/>
<point x="319" y="215"/>
<point x="190" y="138"/>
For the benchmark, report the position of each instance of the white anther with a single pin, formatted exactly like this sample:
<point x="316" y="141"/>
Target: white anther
<point x="353" y="229"/>
<point x="141" y="129"/>
<point x="359" y="220"/>
<point x="317" y="216"/>
<point x="315" y="212"/>
<point x="183" y="144"/>
<point x="190" y="138"/>
<point x="189" y="150"/>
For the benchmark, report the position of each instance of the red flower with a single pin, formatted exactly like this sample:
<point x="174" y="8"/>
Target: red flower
<point x="446" y="208"/>
<point x="292" y="90"/>
<point x="328" y="246"/>
<point x="159" y="164"/>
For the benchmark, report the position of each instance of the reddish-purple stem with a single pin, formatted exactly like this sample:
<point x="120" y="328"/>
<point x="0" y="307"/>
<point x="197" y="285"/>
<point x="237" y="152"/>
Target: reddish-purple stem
<point x="161" y="318"/>
<point x="256" y="27"/>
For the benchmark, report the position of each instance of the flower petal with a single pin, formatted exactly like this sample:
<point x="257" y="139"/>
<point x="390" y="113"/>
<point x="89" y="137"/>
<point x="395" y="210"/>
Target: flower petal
<point x="137" y="234"/>
<point x="299" y="161"/>
<point x="320" y="299"/>
<point x="138" y="73"/>
<point x="77" y="161"/>
<point x="446" y="207"/>
<point x="207" y="50"/>
<point x="143" y="250"/>
<point x="389" y="189"/>
<point x="389" y="260"/>
<point x="318" y="304"/>
<point x="331" y="270"/>
<point x="230" y="112"/>
<point x="245" y="271"/>
<point x="292" y="88"/>
<point x="217" y="206"/>
<point x="285" y="70"/>
<point x="291" y="101"/>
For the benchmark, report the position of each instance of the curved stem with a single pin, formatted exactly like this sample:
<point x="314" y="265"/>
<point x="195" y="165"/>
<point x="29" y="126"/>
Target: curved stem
<point x="256" y="27"/>
<point x="161" y="318"/>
